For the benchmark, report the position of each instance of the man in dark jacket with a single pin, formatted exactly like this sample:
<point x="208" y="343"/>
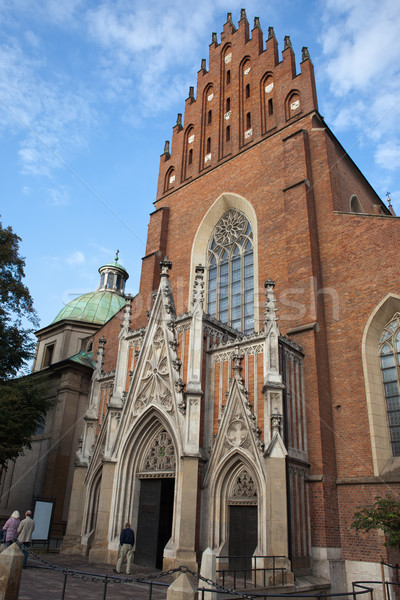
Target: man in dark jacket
<point x="127" y="541"/>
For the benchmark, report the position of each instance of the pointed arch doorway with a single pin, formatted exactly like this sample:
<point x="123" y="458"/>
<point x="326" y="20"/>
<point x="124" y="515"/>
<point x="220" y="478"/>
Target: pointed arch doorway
<point x="243" y="521"/>
<point x="156" y="502"/>
<point x="154" y="528"/>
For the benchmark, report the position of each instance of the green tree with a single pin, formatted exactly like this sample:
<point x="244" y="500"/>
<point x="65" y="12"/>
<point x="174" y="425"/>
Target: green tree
<point x="17" y="315"/>
<point x="23" y="401"/>
<point x="23" y="406"/>
<point x="383" y="514"/>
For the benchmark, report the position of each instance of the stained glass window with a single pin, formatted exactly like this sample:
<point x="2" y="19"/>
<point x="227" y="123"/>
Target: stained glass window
<point x="389" y="347"/>
<point x="231" y="272"/>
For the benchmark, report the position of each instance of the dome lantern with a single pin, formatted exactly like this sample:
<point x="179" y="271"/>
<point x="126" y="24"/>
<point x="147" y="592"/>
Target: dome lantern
<point x="113" y="276"/>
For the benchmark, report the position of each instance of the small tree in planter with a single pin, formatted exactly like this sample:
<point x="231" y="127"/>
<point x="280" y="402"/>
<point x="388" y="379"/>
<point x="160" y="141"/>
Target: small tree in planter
<point x="383" y="514"/>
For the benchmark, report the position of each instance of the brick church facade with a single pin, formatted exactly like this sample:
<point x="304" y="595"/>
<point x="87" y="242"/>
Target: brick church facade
<point x="247" y="399"/>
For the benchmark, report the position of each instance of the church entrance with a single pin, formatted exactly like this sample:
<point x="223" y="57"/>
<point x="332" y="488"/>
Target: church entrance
<point x="242" y="536"/>
<point x="154" y="526"/>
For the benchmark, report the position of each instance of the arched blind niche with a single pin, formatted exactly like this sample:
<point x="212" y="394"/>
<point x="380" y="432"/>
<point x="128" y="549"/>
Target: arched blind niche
<point x="230" y="296"/>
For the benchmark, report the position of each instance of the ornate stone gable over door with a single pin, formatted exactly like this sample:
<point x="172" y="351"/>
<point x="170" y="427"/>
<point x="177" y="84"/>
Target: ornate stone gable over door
<point x="156" y="382"/>
<point x="235" y="475"/>
<point x="237" y="435"/>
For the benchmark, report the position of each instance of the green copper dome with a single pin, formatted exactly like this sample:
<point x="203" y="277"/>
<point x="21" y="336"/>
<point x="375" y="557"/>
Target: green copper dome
<point x="95" y="307"/>
<point x="114" y="264"/>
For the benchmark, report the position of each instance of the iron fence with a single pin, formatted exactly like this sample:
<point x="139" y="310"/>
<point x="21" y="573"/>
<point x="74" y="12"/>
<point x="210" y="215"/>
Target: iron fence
<point x="366" y="593"/>
<point x="361" y="590"/>
<point x="254" y="576"/>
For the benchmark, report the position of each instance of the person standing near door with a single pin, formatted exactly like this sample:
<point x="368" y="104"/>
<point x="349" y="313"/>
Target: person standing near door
<point x="127" y="541"/>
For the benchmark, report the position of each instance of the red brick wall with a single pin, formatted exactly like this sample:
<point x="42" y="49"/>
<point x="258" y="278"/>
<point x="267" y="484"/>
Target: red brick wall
<point x="331" y="270"/>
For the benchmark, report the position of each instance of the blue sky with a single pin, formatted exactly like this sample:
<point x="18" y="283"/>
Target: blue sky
<point x="89" y="92"/>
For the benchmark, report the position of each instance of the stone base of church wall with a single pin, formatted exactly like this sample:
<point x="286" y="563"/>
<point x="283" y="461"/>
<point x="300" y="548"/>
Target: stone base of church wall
<point x="328" y="564"/>
<point x="357" y="570"/>
<point x="182" y="559"/>
<point x="72" y="544"/>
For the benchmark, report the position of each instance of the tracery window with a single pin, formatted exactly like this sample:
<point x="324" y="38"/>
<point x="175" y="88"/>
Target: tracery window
<point x="389" y="346"/>
<point x="231" y="271"/>
<point x="244" y="486"/>
<point x="161" y="454"/>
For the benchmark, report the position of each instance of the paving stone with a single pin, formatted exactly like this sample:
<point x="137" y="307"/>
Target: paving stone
<point x="40" y="582"/>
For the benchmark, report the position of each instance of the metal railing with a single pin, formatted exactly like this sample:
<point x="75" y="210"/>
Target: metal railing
<point x="108" y="579"/>
<point x="361" y="589"/>
<point x="365" y="593"/>
<point x="98" y="578"/>
<point x="254" y="576"/>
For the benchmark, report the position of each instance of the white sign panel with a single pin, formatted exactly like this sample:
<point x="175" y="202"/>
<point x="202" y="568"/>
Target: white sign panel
<point x="42" y="518"/>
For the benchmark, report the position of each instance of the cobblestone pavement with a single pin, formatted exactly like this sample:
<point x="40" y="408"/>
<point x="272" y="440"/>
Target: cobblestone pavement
<point x="39" y="583"/>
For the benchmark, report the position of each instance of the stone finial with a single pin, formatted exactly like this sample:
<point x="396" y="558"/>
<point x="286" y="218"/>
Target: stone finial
<point x="237" y="363"/>
<point x="183" y="588"/>
<point x="288" y="43"/>
<point x="11" y="560"/>
<point x="166" y="266"/>
<point x="203" y="65"/>
<point x="270" y="301"/>
<point x="198" y="288"/>
<point x="389" y="201"/>
<point x="214" y="37"/>
<point x="242" y="13"/>
<point x="305" y="55"/>
<point x="229" y="18"/>
<point x="257" y="23"/>
<point x="100" y="353"/>
<point x="271" y="33"/>
<point x="191" y="92"/>
<point x="126" y="321"/>
<point x="275" y="422"/>
<point x="179" y="120"/>
<point x="166" y="147"/>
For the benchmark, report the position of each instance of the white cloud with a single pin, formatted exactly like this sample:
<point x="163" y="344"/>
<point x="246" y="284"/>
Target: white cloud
<point x="146" y="46"/>
<point x="142" y="57"/>
<point x="52" y="11"/>
<point x="58" y="196"/>
<point x="50" y="115"/>
<point x="77" y="258"/>
<point x="361" y="45"/>
<point x="361" y="41"/>
<point x="108" y="252"/>
<point x="387" y="155"/>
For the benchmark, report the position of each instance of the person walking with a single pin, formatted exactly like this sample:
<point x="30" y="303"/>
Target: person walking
<point x="25" y="530"/>
<point x="127" y="541"/>
<point x="11" y="529"/>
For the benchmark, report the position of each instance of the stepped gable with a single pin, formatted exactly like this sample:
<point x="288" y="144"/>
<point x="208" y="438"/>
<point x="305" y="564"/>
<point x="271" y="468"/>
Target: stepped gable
<point x="246" y="95"/>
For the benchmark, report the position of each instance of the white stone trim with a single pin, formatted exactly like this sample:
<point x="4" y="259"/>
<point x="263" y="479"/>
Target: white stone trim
<point x="376" y="405"/>
<point x="199" y="249"/>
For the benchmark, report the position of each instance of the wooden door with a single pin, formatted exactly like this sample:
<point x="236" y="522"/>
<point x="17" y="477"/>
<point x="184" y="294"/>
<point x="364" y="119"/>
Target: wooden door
<point x="154" y="521"/>
<point x="242" y="536"/>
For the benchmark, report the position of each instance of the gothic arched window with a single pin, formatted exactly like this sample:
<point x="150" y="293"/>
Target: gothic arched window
<point x="231" y="272"/>
<point x="389" y="347"/>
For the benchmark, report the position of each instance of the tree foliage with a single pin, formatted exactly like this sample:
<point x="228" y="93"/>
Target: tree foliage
<point x="16" y="308"/>
<point x="384" y="514"/>
<point x="23" y="405"/>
